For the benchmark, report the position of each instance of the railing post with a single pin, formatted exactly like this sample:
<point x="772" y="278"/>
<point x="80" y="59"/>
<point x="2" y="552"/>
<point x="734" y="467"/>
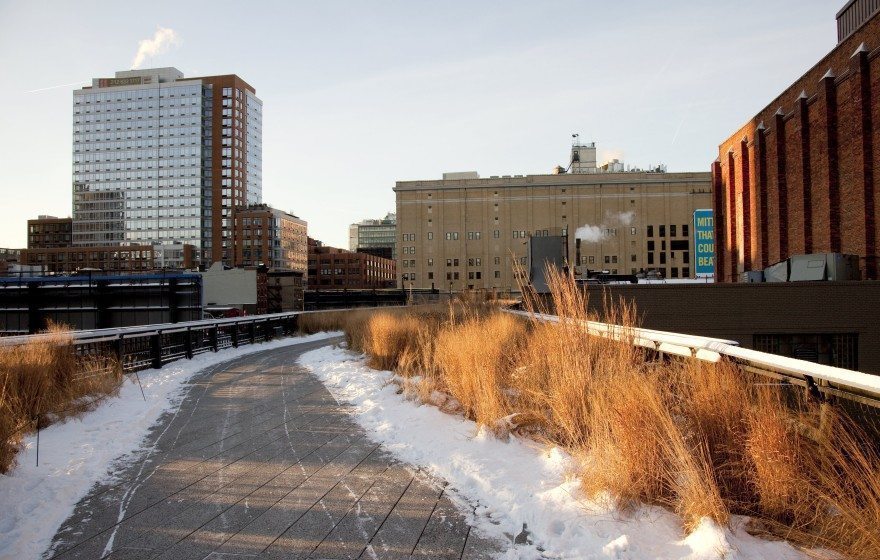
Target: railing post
<point x="120" y="353"/>
<point x="268" y="326"/>
<point x="188" y="344"/>
<point x="234" y="335"/>
<point x="212" y="336"/>
<point x="253" y="331"/>
<point x="156" y="349"/>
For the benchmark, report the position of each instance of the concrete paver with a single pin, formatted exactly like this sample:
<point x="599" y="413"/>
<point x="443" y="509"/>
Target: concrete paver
<point x="261" y="462"/>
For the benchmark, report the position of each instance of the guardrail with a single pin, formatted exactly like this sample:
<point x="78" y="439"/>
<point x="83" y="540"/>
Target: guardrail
<point x="151" y="346"/>
<point x="819" y="380"/>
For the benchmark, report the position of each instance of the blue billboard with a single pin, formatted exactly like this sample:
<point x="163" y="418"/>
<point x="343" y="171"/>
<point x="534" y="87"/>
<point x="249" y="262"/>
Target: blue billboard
<point x="704" y="243"/>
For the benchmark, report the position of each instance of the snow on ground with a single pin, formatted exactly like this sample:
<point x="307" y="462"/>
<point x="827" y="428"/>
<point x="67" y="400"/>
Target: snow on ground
<point x="521" y="482"/>
<point x="76" y="454"/>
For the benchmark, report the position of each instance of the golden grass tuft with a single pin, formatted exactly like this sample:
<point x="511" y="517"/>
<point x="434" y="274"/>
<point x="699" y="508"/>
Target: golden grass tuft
<point x="44" y="381"/>
<point x="702" y="439"/>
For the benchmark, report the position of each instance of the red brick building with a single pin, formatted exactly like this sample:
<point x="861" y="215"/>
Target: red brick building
<point x="802" y="175"/>
<point x="337" y="269"/>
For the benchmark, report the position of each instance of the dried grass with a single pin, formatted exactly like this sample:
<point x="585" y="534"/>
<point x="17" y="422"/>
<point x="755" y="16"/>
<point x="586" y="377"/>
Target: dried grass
<point x="702" y="439"/>
<point x="44" y="381"/>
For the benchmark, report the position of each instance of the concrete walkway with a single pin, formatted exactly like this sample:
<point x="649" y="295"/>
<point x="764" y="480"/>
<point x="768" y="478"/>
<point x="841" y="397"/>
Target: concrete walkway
<point x="261" y="462"/>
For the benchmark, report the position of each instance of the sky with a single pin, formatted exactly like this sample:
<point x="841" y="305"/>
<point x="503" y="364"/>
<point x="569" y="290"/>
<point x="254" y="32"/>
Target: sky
<point x="360" y="94"/>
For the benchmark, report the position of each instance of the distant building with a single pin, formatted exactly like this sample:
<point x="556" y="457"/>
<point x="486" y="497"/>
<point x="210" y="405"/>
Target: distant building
<point x="337" y="269"/>
<point x="800" y="177"/>
<point x="375" y="237"/>
<point x="162" y="159"/>
<point x="49" y="232"/>
<point x="461" y="234"/>
<point x="270" y="237"/>
<point x="112" y="258"/>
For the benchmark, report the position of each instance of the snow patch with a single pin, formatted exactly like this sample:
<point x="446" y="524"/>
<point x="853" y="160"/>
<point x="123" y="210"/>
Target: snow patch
<point x="519" y="481"/>
<point x="79" y="453"/>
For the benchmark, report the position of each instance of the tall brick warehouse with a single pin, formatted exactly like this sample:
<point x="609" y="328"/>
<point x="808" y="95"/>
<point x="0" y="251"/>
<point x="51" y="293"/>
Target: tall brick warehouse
<point x="801" y="176"/>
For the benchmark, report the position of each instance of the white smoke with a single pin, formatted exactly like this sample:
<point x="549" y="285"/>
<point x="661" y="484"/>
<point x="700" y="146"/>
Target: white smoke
<point x="595" y="234"/>
<point x="162" y="40"/>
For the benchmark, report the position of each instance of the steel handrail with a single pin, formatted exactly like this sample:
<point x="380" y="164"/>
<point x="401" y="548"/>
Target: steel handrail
<point x="851" y="384"/>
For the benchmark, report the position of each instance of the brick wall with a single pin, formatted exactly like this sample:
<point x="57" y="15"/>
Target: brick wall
<point x="799" y="177"/>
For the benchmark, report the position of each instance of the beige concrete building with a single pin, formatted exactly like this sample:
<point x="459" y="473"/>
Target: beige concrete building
<point x="460" y="233"/>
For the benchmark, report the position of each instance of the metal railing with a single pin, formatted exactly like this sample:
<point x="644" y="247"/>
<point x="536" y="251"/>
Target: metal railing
<point x="819" y="380"/>
<point x="152" y="346"/>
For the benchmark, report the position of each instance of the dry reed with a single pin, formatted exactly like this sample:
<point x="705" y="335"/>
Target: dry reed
<point x="44" y="381"/>
<point x="703" y="439"/>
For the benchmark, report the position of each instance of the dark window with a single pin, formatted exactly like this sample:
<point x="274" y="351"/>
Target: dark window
<point x="650" y="258"/>
<point x="650" y="231"/>
<point x="686" y="272"/>
<point x="662" y="258"/>
<point x="650" y="245"/>
<point x="672" y="231"/>
<point x="680" y="244"/>
<point x="686" y="257"/>
<point x="685" y="231"/>
<point x="674" y="272"/>
<point x="663" y="231"/>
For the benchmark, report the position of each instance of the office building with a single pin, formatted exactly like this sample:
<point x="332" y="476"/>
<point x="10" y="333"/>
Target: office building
<point x="161" y="159"/>
<point x="337" y="269"/>
<point x="800" y="177"/>
<point x="270" y="237"/>
<point x="472" y="233"/>
<point x="375" y="237"/>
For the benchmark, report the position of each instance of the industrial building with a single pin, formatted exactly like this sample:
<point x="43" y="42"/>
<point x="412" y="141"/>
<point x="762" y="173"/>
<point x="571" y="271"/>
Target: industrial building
<point x="162" y="159"/>
<point x="466" y="232"/>
<point x="800" y="177"/>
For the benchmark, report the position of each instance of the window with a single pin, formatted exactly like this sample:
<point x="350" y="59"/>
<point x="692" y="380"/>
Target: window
<point x="451" y="235"/>
<point x="496" y="234"/>
<point x="448" y="262"/>
<point x="686" y="272"/>
<point x="454" y="262"/>
<point x="607" y="259"/>
<point x="662" y="258"/>
<point x="473" y="235"/>
<point x="650" y="231"/>
<point x="650" y="245"/>
<point x="686" y="257"/>
<point x="614" y="259"/>
<point x="672" y="232"/>
<point x="674" y="272"/>
<point x="430" y="262"/>
<point x="685" y="231"/>
<point x="497" y="260"/>
<point x="430" y="276"/>
<point x="632" y="231"/>
<point x="497" y="274"/>
<point x="430" y="235"/>
<point x="632" y="258"/>
<point x="650" y="258"/>
<point x="591" y="259"/>
<point x="663" y="231"/>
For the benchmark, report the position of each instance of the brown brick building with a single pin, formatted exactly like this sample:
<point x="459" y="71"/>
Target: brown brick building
<point x="801" y="176"/>
<point x="337" y="269"/>
<point x="48" y="232"/>
<point x="64" y="260"/>
<point x="271" y="237"/>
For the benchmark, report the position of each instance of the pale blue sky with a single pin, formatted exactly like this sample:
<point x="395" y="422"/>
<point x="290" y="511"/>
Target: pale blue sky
<point x="360" y="94"/>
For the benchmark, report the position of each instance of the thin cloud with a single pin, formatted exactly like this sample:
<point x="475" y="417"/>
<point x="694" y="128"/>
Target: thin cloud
<point x="162" y="41"/>
<point x="58" y="86"/>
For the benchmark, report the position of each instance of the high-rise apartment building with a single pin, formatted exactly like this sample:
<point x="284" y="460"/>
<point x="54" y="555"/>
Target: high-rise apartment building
<point x="472" y="233"/>
<point x="375" y="237"/>
<point x="161" y="159"/>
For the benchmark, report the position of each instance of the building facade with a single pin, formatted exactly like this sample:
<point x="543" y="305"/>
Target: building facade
<point x="457" y="234"/>
<point x="271" y="237"/>
<point x="160" y="159"/>
<point x="49" y="232"/>
<point x="801" y="176"/>
<point x="337" y="269"/>
<point x="109" y="258"/>
<point x="375" y="237"/>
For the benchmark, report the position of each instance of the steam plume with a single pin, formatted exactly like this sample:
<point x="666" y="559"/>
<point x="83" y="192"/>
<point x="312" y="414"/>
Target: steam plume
<point x="162" y="40"/>
<point x="595" y="234"/>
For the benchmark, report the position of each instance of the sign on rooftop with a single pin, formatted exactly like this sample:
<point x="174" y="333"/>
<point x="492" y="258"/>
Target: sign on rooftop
<point x="704" y="243"/>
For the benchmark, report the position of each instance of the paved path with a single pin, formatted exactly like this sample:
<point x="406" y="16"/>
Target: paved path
<point x="261" y="462"/>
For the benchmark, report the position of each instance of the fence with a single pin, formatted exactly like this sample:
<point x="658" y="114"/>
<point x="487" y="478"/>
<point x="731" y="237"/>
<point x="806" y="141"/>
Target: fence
<point x="151" y="346"/>
<point x="819" y="380"/>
